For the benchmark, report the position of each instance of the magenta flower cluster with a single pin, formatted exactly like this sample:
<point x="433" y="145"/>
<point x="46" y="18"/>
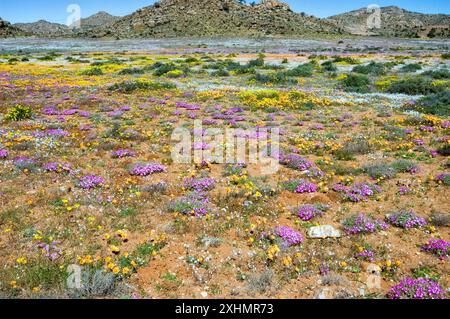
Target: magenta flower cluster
<point x="420" y="288"/>
<point x="308" y="212"/>
<point x="360" y="224"/>
<point x="91" y="181"/>
<point x="444" y="178"/>
<point x="122" y="153"/>
<point x="199" y="184"/>
<point x="305" y="186"/>
<point x="147" y="169"/>
<point x="57" y="167"/>
<point x="438" y="247"/>
<point x="295" y="161"/>
<point x="51" y="250"/>
<point x="3" y="154"/>
<point x="405" y="219"/>
<point x="366" y="254"/>
<point x="358" y="192"/>
<point x="289" y="236"/>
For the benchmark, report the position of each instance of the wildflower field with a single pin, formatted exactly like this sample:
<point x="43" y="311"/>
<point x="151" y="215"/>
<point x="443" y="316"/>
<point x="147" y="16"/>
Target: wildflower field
<point x="88" y="186"/>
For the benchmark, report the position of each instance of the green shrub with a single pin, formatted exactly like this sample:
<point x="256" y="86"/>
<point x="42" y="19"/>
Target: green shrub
<point x="380" y="170"/>
<point x="131" y="86"/>
<point x="414" y="86"/>
<point x="128" y="71"/>
<point x="275" y="78"/>
<point x="175" y="74"/>
<point x="329" y="66"/>
<point x="371" y="68"/>
<point x="304" y="70"/>
<point x="435" y="104"/>
<point x="19" y="113"/>
<point x="413" y="67"/>
<point x="356" y="83"/>
<point x="259" y="62"/>
<point x="446" y="56"/>
<point x="220" y="73"/>
<point x="94" y="71"/>
<point x="403" y="166"/>
<point x="348" y="60"/>
<point x="438" y="74"/>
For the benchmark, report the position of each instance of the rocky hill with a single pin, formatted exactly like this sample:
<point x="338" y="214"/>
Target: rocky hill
<point x="395" y="22"/>
<point x="44" y="28"/>
<point x="175" y="18"/>
<point x="7" y="30"/>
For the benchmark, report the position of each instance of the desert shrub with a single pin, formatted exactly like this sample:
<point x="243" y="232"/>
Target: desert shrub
<point x="394" y="133"/>
<point x="94" y="71"/>
<point x="259" y="62"/>
<point x="243" y="69"/>
<point x="19" y="113"/>
<point x="329" y="66"/>
<point x="404" y="166"/>
<point x="261" y="283"/>
<point x="440" y="219"/>
<point x="380" y="170"/>
<point x="435" y="104"/>
<point x="413" y="67"/>
<point x="220" y="73"/>
<point x="129" y="71"/>
<point x="438" y="74"/>
<point x="275" y="78"/>
<point x="162" y="68"/>
<point x="131" y="86"/>
<point x="356" y="83"/>
<point x="445" y="56"/>
<point x="175" y="74"/>
<point x="304" y="70"/>
<point x="414" y="86"/>
<point x="98" y="283"/>
<point x="371" y="68"/>
<point x="347" y="60"/>
<point x="357" y="146"/>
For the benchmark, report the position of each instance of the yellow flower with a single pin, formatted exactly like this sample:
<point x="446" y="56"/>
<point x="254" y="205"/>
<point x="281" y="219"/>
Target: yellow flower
<point x="114" y="249"/>
<point x="21" y="261"/>
<point x="116" y="270"/>
<point x="13" y="284"/>
<point x="125" y="270"/>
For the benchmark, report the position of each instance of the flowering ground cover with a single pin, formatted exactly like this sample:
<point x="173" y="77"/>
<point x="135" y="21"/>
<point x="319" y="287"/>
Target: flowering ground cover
<point x="88" y="182"/>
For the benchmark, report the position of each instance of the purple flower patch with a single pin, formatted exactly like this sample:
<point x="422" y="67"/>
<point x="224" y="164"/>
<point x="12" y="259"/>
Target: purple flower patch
<point x="146" y="169"/>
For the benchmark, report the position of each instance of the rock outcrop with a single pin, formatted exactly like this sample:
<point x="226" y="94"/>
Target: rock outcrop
<point x="200" y="18"/>
<point x="393" y="22"/>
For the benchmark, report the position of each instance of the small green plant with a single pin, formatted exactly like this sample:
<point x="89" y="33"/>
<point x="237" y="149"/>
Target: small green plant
<point x="371" y="68"/>
<point x="356" y="83"/>
<point x="131" y="86"/>
<point x="93" y="71"/>
<point x="129" y="71"/>
<point x="329" y="66"/>
<point x="415" y="86"/>
<point x="435" y="104"/>
<point x="412" y="67"/>
<point x="19" y="113"/>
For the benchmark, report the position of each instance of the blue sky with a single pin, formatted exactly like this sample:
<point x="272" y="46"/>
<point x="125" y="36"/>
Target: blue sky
<point x="55" y="10"/>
